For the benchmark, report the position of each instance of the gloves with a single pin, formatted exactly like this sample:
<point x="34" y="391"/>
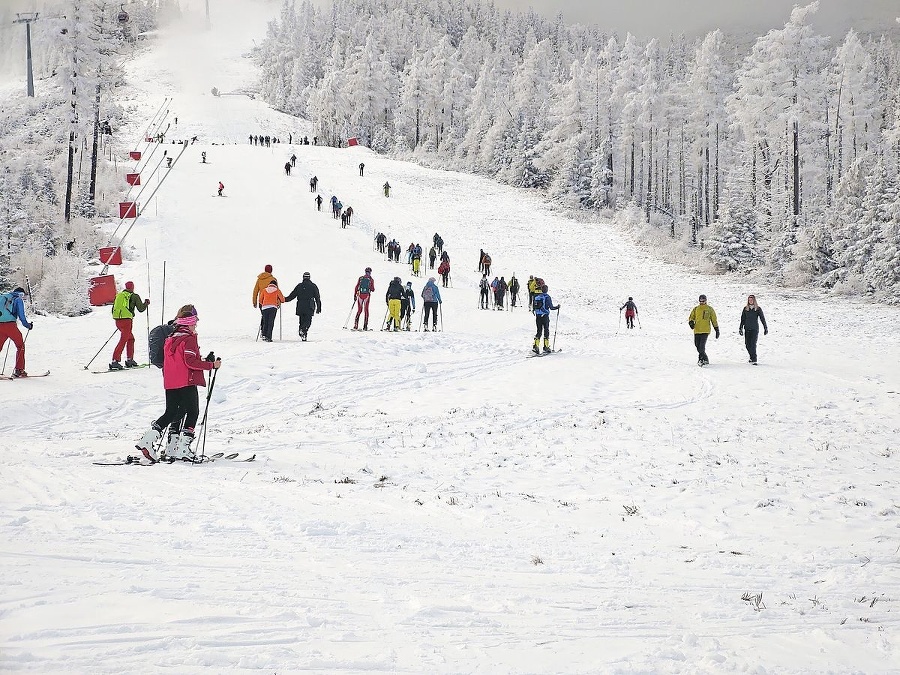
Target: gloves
<point x="717" y="332"/>
<point x="211" y="357"/>
<point x="765" y="331"/>
<point x="691" y="324"/>
<point x="740" y="331"/>
<point x="30" y="326"/>
<point x="147" y="302"/>
<point x="318" y="311"/>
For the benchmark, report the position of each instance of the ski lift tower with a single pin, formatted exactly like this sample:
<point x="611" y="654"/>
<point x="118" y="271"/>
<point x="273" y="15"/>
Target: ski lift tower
<point x="27" y="19"/>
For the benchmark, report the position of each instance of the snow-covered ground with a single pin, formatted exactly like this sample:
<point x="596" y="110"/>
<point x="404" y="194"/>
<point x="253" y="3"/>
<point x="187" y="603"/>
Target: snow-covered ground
<point x="439" y="502"/>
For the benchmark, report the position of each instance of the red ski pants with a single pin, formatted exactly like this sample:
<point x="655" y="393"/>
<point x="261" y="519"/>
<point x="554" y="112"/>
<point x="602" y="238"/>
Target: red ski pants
<point x="126" y="340"/>
<point x="10" y="331"/>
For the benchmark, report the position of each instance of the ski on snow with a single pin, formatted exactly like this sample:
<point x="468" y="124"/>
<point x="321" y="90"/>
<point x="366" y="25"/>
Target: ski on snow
<point x="140" y="460"/>
<point x="27" y="377"/>
<point x="532" y="355"/>
<point x="121" y="370"/>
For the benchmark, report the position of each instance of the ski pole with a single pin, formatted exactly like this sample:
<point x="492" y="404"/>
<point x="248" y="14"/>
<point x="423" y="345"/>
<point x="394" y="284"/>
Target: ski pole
<point x="384" y="320"/>
<point x="212" y="383"/>
<point x="148" y="300"/>
<point x="350" y="314"/>
<point x="555" y="326"/>
<point x="5" y="356"/>
<point x="421" y="319"/>
<point x="162" y="310"/>
<point x="101" y="348"/>
<point x="441" y="314"/>
<point x="278" y="309"/>
<point x="639" y="321"/>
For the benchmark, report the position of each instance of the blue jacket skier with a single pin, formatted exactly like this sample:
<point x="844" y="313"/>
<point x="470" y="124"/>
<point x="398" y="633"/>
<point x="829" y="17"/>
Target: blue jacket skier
<point x="542" y="306"/>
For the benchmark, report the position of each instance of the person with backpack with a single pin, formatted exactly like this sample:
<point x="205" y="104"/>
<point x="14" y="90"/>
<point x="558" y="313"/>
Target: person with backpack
<point x="407" y="306"/>
<point x="312" y="183"/>
<point x="308" y="303"/>
<point x="270" y="300"/>
<point x="702" y="319"/>
<point x="484" y="287"/>
<point x="432" y="256"/>
<point x="127" y="302"/>
<point x="444" y="271"/>
<point x="318" y="201"/>
<point x="500" y="294"/>
<point x="157" y="339"/>
<point x="751" y="316"/>
<point x="416" y="260"/>
<point x="221" y="187"/>
<point x="392" y="298"/>
<point x="630" y="312"/>
<point x="12" y="309"/>
<point x="513" y="290"/>
<point x="431" y="297"/>
<point x="293" y="160"/>
<point x="365" y="286"/>
<point x="182" y="374"/>
<point x="287" y="168"/>
<point x="532" y="291"/>
<point x="542" y="305"/>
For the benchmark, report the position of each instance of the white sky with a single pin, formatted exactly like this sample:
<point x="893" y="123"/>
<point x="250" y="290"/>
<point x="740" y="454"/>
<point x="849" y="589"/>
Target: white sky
<point x="657" y="18"/>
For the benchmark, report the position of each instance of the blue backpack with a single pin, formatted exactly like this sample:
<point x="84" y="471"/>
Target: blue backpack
<point x="539" y="304"/>
<point x="7" y="307"/>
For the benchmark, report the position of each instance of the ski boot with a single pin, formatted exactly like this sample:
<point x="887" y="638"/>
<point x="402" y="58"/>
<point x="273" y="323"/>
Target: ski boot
<point x="147" y="445"/>
<point x="115" y="365"/>
<point x="535" y="348"/>
<point x="547" y="349"/>
<point x="19" y="372"/>
<point x="131" y="363"/>
<point x="182" y="449"/>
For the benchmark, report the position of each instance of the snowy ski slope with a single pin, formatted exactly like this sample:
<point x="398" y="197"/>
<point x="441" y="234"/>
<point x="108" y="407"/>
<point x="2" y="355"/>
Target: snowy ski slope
<point x="440" y="503"/>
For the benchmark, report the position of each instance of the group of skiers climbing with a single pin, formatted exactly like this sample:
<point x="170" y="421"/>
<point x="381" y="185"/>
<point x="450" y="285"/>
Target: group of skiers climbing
<point x="400" y="301"/>
<point x="499" y="288"/>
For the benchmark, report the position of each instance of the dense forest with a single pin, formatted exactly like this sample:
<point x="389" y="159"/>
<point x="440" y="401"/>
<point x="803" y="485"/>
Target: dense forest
<point x="779" y="158"/>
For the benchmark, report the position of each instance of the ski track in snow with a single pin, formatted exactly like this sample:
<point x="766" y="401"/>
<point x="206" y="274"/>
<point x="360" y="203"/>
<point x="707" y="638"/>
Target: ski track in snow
<point x="437" y="502"/>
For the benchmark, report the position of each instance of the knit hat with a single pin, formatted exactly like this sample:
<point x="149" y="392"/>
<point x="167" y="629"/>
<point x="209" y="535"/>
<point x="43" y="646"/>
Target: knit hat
<point x="409" y="283"/>
<point x="269" y="269"/>
<point x="431" y="279"/>
<point x="129" y="285"/>
<point x="306" y="275"/>
<point x="19" y="289"/>
<point x="702" y="297"/>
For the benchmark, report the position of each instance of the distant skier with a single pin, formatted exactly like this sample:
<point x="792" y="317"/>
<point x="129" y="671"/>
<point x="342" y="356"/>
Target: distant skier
<point x="182" y="374"/>
<point x="392" y="298"/>
<point x="484" y="287"/>
<point x="480" y="260"/>
<point x="513" y="290"/>
<point x="702" y="319"/>
<point x="12" y="308"/>
<point x="500" y="294"/>
<point x="365" y="286"/>
<point x="532" y="291"/>
<point x="127" y="302"/>
<point x="542" y="306"/>
<point x="387" y="189"/>
<point x="287" y="168"/>
<point x="444" y="271"/>
<point x="221" y="187"/>
<point x="203" y="157"/>
<point x="751" y="317"/>
<point x="432" y="256"/>
<point x="361" y="167"/>
<point x="313" y="182"/>
<point x="486" y="264"/>
<point x="293" y="160"/>
<point x="308" y="303"/>
<point x="431" y="297"/>
<point x="319" y="201"/>
<point x="630" y="312"/>
<point x="380" y="238"/>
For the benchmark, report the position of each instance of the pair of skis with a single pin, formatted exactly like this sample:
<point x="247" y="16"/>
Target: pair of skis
<point x="137" y="460"/>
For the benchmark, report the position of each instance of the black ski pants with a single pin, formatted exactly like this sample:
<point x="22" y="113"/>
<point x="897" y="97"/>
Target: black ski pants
<point x="431" y="308"/>
<point x="543" y="325"/>
<point x="183" y="403"/>
<point x="700" y="343"/>
<point x="305" y="323"/>
<point x="268" y="322"/>
<point x="750" y="338"/>
<point x="483" y="301"/>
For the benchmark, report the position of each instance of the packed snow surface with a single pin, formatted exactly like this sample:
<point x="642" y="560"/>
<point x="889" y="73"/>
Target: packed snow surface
<point x="440" y="502"/>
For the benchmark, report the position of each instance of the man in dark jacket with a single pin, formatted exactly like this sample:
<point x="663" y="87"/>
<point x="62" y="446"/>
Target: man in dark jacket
<point x="308" y="303"/>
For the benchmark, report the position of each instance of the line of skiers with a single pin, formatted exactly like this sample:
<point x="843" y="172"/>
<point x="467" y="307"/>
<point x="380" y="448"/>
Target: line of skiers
<point x="264" y="141"/>
<point x="498" y="288"/>
<point x="400" y="301"/>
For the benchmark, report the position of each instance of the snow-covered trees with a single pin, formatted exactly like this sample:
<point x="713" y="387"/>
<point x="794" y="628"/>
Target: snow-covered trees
<point x="756" y="147"/>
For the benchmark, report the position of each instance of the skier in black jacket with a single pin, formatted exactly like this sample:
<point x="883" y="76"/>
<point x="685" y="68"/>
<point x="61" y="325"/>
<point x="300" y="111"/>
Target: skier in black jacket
<point x="751" y="317"/>
<point x="308" y="303"/>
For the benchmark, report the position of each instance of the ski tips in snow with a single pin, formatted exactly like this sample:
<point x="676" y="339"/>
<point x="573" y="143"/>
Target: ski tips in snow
<point x="24" y="377"/>
<point x="140" y="460"/>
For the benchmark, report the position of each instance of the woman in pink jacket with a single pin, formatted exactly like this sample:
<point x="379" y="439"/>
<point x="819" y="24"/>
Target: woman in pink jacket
<point x="182" y="374"/>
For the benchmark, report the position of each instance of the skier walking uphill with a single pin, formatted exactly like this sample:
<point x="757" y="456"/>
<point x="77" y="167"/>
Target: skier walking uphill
<point x="270" y="299"/>
<point x="513" y="290"/>
<point x="431" y="297"/>
<point x="500" y="293"/>
<point x="444" y="271"/>
<point x="182" y="374"/>
<point x="221" y="187"/>
<point x="532" y="291"/>
<point x="293" y="160"/>
<point x="308" y="303"/>
<point x="407" y="305"/>
<point x="319" y="201"/>
<point x="702" y="319"/>
<point x="287" y="168"/>
<point x="481" y="260"/>
<point x="313" y="182"/>
<point x="392" y="299"/>
<point x="751" y="317"/>
<point x="365" y="286"/>
<point x="542" y="306"/>
<point x="361" y="167"/>
<point x="387" y="189"/>
<point x="12" y="307"/>
<point x="630" y="312"/>
<point x="484" y="287"/>
<point x="124" y="307"/>
<point x="432" y="256"/>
